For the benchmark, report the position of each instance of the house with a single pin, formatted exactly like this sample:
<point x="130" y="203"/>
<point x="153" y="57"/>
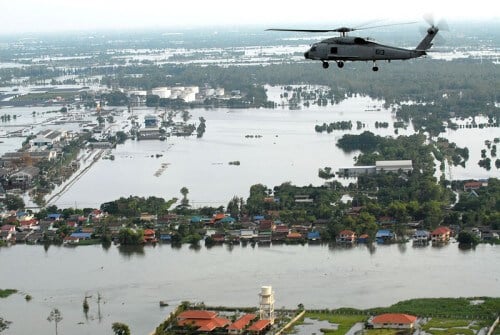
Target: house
<point x="218" y="237"/>
<point x="384" y="236"/>
<point x="421" y="236"/>
<point x="8" y="233"/>
<point x="294" y="237"/>
<point x="346" y="236"/>
<point x="165" y="237"/>
<point x="24" y="177"/>
<point x="81" y="236"/>
<point x="148" y="217"/>
<point x="441" y="235"/>
<point x="303" y="199"/>
<point x="239" y="325"/>
<point x="71" y="240"/>
<point x="259" y="327"/>
<point x="247" y="234"/>
<point x="472" y="186"/>
<point x="150" y="236"/>
<point x="264" y="237"/>
<point x="394" y="320"/>
<point x="28" y="224"/>
<point x="204" y="321"/>
<point x="394" y="166"/>
<point x="313" y="236"/>
<point x="490" y="236"/>
<point x="280" y="233"/>
<point x="363" y="238"/>
<point x="54" y="217"/>
<point x="267" y="225"/>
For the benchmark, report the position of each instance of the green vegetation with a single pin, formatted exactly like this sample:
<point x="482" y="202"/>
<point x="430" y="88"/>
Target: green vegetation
<point x="4" y="293"/>
<point x="344" y="322"/>
<point x="454" y="308"/>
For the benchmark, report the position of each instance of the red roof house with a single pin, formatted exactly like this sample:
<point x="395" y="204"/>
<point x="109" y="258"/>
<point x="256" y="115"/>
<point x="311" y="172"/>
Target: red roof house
<point x="394" y="320"/>
<point x="347" y="236"/>
<point x="204" y="321"/>
<point x="441" y="234"/>
<point x="239" y="325"/>
<point x="259" y="326"/>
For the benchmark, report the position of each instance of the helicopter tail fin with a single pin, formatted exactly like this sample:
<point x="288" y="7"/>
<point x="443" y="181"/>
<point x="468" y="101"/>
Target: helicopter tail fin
<point x="426" y="43"/>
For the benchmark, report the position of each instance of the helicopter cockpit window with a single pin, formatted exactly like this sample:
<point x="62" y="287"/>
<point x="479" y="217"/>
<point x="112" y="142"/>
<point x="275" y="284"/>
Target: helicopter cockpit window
<point x="334" y="50"/>
<point x="313" y="48"/>
<point x="359" y="40"/>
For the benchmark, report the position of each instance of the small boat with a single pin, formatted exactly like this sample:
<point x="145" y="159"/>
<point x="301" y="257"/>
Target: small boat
<point x="163" y="303"/>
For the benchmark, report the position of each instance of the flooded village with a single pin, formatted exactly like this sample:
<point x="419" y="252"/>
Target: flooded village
<point x="165" y="182"/>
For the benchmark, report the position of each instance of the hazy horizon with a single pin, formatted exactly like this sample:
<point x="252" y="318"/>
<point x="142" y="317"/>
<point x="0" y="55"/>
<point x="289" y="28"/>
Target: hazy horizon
<point x="33" y="16"/>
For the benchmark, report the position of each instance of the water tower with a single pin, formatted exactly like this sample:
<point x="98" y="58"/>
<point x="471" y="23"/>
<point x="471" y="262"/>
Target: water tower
<point x="266" y="308"/>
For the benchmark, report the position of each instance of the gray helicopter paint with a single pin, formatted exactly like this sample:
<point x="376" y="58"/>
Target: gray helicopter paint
<point x="347" y="48"/>
<point x="350" y="48"/>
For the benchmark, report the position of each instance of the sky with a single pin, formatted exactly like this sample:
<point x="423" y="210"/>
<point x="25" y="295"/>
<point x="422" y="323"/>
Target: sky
<point x="21" y="16"/>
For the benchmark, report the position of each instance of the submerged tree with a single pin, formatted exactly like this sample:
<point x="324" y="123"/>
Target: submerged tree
<point x="120" y="328"/>
<point x="55" y="316"/>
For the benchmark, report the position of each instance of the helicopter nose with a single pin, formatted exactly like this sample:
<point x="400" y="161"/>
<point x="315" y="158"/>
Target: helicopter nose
<point x="306" y="54"/>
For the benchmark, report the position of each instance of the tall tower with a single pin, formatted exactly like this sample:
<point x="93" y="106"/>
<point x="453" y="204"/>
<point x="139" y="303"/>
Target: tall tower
<point x="266" y="308"/>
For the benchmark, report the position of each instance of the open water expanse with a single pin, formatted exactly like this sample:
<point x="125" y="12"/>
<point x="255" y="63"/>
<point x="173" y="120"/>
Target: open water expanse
<point x="132" y="282"/>
<point x="287" y="149"/>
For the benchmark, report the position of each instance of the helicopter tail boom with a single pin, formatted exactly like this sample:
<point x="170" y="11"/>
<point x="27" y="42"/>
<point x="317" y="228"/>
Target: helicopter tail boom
<point x="426" y="43"/>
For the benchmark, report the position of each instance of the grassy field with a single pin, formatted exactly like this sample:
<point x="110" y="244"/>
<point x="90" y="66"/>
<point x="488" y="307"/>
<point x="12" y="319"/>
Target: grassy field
<point x="448" y="316"/>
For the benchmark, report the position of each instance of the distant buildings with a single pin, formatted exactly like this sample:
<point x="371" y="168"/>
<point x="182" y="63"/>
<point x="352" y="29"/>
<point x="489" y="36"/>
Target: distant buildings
<point x="379" y="167"/>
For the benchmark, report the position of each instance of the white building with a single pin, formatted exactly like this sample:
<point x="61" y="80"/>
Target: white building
<point x="394" y="166"/>
<point x="162" y="92"/>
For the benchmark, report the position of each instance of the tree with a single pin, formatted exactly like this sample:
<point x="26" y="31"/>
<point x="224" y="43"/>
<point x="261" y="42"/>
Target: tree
<point x="14" y="202"/>
<point x="56" y="316"/>
<point x="467" y="238"/>
<point x="4" y="324"/>
<point x="120" y="328"/>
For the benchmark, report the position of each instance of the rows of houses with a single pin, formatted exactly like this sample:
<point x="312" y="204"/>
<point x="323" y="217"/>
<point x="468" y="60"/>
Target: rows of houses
<point x="18" y="169"/>
<point x="203" y="321"/>
<point x="209" y="321"/>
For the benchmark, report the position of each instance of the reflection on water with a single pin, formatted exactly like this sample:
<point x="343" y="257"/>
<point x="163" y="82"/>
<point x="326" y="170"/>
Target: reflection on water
<point x="132" y="280"/>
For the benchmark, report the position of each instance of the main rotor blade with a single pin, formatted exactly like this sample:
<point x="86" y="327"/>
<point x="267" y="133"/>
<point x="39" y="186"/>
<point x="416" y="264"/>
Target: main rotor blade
<point x="303" y="30"/>
<point x="385" y="25"/>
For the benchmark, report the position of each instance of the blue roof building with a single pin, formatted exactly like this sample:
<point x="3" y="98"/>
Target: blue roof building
<point x="384" y="236"/>
<point x="313" y="236"/>
<point x="54" y="216"/>
<point x="83" y="236"/>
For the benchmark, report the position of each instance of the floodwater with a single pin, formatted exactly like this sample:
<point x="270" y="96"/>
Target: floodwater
<point x="287" y="148"/>
<point x="132" y="282"/>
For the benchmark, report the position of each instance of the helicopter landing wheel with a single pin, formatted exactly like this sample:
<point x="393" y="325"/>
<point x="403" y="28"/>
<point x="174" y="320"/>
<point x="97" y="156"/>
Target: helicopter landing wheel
<point x="340" y="64"/>
<point x="375" y="68"/>
<point x="325" y="65"/>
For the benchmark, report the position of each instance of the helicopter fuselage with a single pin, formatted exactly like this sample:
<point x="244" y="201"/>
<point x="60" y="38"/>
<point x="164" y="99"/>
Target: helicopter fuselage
<point x="347" y="48"/>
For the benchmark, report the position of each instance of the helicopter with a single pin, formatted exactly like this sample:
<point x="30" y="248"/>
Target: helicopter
<point x="350" y="48"/>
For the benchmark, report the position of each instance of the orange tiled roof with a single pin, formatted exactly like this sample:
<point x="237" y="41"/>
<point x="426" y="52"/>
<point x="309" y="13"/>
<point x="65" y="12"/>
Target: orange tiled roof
<point x="441" y="231"/>
<point x="259" y="325"/>
<point x="347" y="232"/>
<point x="206" y="325"/>
<point x="149" y="232"/>
<point x="196" y="314"/>
<point x="242" y="322"/>
<point x="294" y="235"/>
<point x="394" y="318"/>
